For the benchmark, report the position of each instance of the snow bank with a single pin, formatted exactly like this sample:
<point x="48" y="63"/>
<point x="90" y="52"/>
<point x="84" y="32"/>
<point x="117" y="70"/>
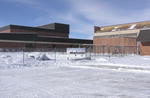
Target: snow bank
<point x="28" y="59"/>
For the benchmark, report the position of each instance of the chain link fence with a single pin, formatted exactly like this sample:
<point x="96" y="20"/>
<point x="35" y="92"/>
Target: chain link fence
<point x="39" y="56"/>
<point x="115" y="50"/>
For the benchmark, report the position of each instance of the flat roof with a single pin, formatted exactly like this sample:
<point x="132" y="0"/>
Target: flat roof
<point x="48" y="27"/>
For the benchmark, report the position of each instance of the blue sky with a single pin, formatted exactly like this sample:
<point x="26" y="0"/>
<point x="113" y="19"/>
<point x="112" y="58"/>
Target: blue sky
<point x="82" y="15"/>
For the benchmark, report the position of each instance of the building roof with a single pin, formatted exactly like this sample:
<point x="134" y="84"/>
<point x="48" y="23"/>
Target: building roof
<point x="51" y="25"/>
<point x="144" y="35"/>
<point x="59" y="27"/>
<point x="54" y="27"/>
<point x="120" y="27"/>
<point x="22" y="27"/>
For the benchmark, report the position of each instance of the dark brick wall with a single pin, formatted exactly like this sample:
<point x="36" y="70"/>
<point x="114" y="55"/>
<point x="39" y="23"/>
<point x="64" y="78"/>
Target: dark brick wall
<point x="41" y="33"/>
<point x="5" y="31"/>
<point x="11" y="45"/>
<point x="33" y="45"/>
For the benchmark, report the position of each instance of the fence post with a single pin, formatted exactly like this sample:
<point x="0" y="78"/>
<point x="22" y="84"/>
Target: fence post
<point x="90" y="51"/>
<point x="55" y="54"/>
<point x="23" y="56"/>
<point x="138" y="48"/>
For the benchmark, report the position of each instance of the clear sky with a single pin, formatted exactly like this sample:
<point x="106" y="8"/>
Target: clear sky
<point x="82" y="15"/>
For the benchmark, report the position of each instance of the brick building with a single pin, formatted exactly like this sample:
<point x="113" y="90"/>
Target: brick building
<point x="55" y="35"/>
<point x="143" y="41"/>
<point x="123" y="38"/>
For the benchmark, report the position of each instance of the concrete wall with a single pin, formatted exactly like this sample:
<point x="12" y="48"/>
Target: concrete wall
<point x="135" y="31"/>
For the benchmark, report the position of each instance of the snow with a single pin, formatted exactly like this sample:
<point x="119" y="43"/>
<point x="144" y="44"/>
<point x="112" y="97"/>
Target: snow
<point x="98" y="77"/>
<point x="115" y="29"/>
<point x="132" y="26"/>
<point x="102" y="28"/>
<point x="32" y="59"/>
<point x="76" y="50"/>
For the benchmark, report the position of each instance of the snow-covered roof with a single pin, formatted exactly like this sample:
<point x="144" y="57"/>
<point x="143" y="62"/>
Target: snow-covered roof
<point x="132" y="26"/>
<point x="115" y="29"/>
<point x="128" y="26"/>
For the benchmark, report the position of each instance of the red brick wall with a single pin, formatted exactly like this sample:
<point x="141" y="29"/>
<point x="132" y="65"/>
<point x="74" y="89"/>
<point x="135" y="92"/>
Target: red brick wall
<point x="145" y="48"/>
<point x="115" y="41"/>
<point x="115" y="45"/>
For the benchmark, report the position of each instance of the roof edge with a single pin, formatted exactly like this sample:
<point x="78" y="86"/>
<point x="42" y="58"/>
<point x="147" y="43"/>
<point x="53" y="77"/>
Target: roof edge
<point x="124" y="23"/>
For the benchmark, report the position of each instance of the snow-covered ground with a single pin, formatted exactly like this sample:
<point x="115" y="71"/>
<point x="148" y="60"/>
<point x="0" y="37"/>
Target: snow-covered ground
<point x="39" y="75"/>
<point x="31" y="59"/>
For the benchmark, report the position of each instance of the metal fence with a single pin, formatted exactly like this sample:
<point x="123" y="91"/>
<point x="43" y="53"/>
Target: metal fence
<point x="34" y="56"/>
<point x="115" y="50"/>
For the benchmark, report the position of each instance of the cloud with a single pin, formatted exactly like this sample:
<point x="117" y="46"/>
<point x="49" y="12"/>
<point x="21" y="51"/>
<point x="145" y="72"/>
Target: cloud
<point x="100" y="12"/>
<point x="2" y="23"/>
<point x="33" y="4"/>
<point x="144" y="14"/>
<point x="77" y="26"/>
<point x="96" y="12"/>
<point x="28" y="2"/>
<point x="82" y="15"/>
